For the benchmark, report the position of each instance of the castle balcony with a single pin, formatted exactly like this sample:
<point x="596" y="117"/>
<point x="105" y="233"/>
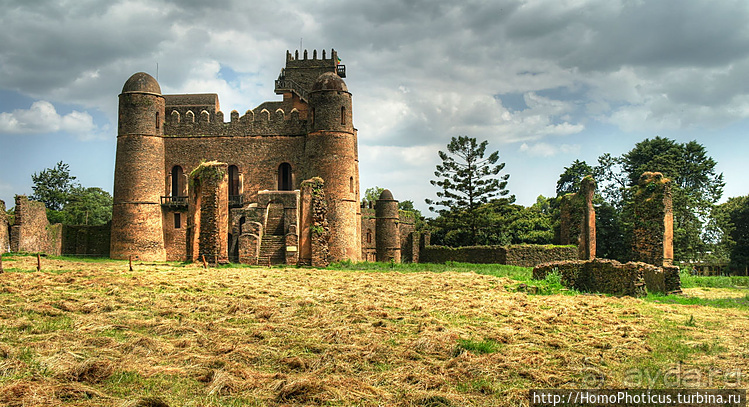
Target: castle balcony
<point x="284" y="85"/>
<point x="341" y="70"/>
<point x="175" y="201"/>
<point x="236" y="201"/>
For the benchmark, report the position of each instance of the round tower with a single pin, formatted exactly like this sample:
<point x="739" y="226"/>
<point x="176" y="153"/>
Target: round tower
<point x="331" y="151"/>
<point x="139" y="172"/>
<point x="387" y="234"/>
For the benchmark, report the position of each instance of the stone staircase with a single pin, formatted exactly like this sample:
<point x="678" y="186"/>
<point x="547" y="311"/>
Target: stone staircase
<point x="273" y="244"/>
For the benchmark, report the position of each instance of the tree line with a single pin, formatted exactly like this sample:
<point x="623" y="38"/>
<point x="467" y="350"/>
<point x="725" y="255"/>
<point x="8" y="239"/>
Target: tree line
<point x="474" y="205"/>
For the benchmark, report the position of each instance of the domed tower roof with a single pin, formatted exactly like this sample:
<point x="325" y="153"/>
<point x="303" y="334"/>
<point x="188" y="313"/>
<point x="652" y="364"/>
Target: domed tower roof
<point x="386" y="195"/>
<point x="329" y="81"/>
<point x="142" y="82"/>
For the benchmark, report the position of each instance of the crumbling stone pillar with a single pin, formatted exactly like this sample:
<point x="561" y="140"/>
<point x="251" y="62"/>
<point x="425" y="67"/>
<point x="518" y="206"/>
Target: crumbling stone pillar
<point x="387" y="235"/>
<point x="586" y="246"/>
<point x="315" y="232"/>
<point x="31" y="231"/>
<point x="653" y="235"/>
<point x="209" y="211"/>
<point x="4" y="229"/>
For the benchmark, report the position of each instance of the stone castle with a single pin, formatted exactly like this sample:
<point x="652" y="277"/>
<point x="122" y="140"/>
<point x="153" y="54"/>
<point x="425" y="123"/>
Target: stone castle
<point x="189" y="184"/>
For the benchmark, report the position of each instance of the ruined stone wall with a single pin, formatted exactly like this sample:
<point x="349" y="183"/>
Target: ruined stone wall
<point x="611" y="277"/>
<point x="82" y="240"/>
<point x="652" y="240"/>
<point x="516" y="255"/>
<point x="31" y="231"/>
<point x="4" y="229"/>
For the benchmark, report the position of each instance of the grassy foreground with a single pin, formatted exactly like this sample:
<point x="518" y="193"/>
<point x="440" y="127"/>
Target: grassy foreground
<point x="91" y="333"/>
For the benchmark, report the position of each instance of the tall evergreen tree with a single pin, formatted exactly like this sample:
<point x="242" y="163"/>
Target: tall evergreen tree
<point x="467" y="180"/>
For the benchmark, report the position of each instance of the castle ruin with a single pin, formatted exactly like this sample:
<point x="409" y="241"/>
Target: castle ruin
<point x="247" y="205"/>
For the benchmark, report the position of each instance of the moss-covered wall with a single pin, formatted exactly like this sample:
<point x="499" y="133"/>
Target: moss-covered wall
<point x="652" y="240"/>
<point x="611" y="277"/>
<point x="516" y="255"/>
<point x="84" y="240"/>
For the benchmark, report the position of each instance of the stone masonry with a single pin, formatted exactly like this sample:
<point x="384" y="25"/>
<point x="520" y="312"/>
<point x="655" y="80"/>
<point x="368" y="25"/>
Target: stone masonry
<point x="272" y="147"/>
<point x="4" y="229"/>
<point x="654" y="220"/>
<point x="587" y="242"/>
<point x="31" y="231"/>
<point x="209" y="212"/>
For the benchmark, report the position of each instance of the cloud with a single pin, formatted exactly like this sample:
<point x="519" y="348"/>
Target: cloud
<point x="542" y="149"/>
<point x="42" y="117"/>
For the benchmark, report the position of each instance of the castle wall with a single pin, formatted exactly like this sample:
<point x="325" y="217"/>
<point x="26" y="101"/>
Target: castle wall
<point x="82" y="240"/>
<point x="257" y="159"/>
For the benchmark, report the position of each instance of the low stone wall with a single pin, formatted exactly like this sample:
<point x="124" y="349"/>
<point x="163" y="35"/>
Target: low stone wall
<point x="517" y="255"/>
<point x="83" y="240"/>
<point x="611" y="277"/>
<point x="528" y="255"/>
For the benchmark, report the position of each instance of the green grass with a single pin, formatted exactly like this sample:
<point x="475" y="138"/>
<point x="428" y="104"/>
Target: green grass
<point x="739" y="302"/>
<point x="478" y="347"/>
<point x="690" y="281"/>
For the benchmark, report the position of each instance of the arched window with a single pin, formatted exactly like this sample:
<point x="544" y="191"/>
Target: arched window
<point x="369" y="235"/>
<point x="351" y="184"/>
<point x="343" y="115"/>
<point x="157" y="120"/>
<point x="178" y="182"/>
<point x="284" y="177"/>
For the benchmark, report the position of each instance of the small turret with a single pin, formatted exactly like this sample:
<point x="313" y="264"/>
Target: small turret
<point x="139" y="172"/>
<point x="387" y="234"/>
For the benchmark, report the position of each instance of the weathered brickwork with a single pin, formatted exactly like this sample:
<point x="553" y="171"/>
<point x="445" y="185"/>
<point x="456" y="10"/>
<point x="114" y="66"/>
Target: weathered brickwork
<point x="653" y="234"/>
<point x="611" y="277"/>
<point x="31" y="231"/>
<point x="315" y="229"/>
<point x="387" y="235"/>
<point x="272" y="147"/>
<point x="516" y="255"/>
<point x="82" y="240"/>
<point x="587" y="241"/>
<point x="408" y="239"/>
<point x="208" y="229"/>
<point x="4" y="229"/>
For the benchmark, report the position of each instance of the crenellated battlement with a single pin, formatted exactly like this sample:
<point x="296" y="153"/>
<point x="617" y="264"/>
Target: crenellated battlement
<point x="295" y="58"/>
<point x="260" y="122"/>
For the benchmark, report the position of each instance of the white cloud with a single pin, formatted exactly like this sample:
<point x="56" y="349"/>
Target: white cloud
<point x="42" y="117"/>
<point x="542" y="149"/>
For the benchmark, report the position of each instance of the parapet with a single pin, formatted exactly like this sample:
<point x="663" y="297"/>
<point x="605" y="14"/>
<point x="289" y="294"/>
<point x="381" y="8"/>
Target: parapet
<point x="262" y="122"/>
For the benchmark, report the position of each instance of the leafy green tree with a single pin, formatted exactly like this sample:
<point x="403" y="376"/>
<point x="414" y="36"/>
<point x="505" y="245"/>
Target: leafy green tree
<point x="372" y="194"/>
<point x="696" y="186"/>
<point x="732" y="218"/>
<point x="52" y="186"/>
<point x="467" y="180"/>
<point x="569" y="180"/>
<point x="88" y="206"/>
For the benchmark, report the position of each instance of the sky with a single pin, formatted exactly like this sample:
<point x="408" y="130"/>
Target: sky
<point x="544" y="82"/>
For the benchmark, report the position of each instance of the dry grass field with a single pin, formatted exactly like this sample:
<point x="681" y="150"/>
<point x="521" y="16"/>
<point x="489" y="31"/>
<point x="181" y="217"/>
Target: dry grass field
<point x="92" y="333"/>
